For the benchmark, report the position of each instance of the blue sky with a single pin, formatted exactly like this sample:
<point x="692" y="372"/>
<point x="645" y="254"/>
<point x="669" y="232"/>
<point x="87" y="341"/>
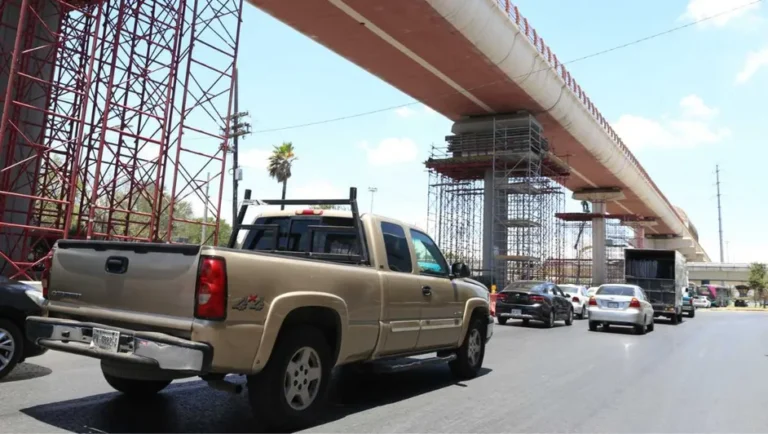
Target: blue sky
<point x="684" y="102"/>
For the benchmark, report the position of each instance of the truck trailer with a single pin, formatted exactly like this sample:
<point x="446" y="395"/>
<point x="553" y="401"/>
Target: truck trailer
<point x="663" y="277"/>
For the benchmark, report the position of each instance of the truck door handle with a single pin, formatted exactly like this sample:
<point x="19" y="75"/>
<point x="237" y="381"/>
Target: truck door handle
<point x="116" y="265"/>
<point x="426" y="290"/>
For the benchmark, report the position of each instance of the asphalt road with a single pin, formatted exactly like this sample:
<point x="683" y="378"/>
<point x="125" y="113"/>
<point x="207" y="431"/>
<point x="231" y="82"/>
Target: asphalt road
<point x="708" y="374"/>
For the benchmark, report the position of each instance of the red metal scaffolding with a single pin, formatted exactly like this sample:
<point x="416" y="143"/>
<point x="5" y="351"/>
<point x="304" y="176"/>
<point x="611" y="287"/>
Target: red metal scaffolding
<point x="114" y="113"/>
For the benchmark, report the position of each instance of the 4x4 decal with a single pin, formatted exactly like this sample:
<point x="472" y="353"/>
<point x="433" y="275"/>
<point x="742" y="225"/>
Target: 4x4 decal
<point x="253" y="302"/>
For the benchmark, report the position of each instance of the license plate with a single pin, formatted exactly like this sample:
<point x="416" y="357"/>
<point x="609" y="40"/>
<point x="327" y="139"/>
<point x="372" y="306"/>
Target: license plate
<point x="106" y="340"/>
<point x="613" y="305"/>
<point x="515" y="312"/>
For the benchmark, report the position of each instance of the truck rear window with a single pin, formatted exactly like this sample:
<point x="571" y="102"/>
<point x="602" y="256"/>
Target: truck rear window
<point x="293" y="235"/>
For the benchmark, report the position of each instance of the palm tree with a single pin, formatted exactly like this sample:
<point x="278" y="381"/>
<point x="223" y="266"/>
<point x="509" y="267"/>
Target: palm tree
<point x="280" y="163"/>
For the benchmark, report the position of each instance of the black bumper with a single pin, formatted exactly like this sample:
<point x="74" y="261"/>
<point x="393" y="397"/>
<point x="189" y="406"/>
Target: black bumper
<point x="142" y="348"/>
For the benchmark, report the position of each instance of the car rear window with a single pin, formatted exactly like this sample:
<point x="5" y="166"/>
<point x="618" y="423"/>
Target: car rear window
<point x="525" y="287"/>
<point x="616" y="290"/>
<point x="570" y="289"/>
<point x="294" y="235"/>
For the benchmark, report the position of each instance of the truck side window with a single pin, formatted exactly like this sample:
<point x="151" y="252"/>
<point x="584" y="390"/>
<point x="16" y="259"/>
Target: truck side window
<point x="398" y="254"/>
<point x="429" y="258"/>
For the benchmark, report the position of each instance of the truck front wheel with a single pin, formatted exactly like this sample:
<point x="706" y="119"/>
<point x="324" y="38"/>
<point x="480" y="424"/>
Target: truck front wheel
<point x="291" y="390"/>
<point x="469" y="357"/>
<point x="136" y="388"/>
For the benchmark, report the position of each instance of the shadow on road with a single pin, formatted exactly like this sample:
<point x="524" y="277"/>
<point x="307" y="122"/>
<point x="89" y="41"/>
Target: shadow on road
<point x="536" y="325"/>
<point x="194" y="407"/>
<point x="26" y="371"/>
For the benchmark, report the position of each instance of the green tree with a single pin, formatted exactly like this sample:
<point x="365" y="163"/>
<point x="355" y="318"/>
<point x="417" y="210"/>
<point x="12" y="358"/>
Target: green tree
<point x="280" y="163"/>
<point x="758" y="279"/>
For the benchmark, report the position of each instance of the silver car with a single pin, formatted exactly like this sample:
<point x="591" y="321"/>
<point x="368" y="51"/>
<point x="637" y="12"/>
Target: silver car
<point x="622" y="305"/>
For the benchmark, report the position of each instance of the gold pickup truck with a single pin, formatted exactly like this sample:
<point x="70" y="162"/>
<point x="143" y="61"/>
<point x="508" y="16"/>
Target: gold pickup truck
<point x="303" y="292"/>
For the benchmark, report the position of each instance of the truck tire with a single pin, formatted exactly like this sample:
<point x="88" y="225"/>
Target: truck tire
<point x="502" y="321"/>
<point x="470" y="355"/>
<point x="136" y="388"/>
<point x="302" y="357"/>
<point x="679" y="317"/>
<point x="692" y="313"/>
<point x="674" y="319"/>
<point x="11" y="346"/>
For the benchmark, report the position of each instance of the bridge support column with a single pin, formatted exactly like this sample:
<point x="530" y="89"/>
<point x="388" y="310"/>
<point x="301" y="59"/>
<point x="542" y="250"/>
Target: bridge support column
<point x="598" y="244"/>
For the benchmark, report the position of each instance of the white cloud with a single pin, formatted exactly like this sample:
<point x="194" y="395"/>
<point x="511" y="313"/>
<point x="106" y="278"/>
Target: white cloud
<point x="405" y="112"/>
<point x="391" y="151"/>
<point x="693" y="106"/>
<point x="254" y="158"/>
<point x="692" y="129"/>
<point x="754" y="62"/>
<point x="701" y="9"/>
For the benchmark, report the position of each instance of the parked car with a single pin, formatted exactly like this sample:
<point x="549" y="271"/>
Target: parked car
<point x="688" y="307"/>
<point x="306" y="291"/>
<point x="703" y="302"/>
<point x="739" y="303"/>
<point x="579" y="299"/>
<point x="533" y="300"/>
<point x="17" y="302"/>
<point x="620" y="305"/>
<point x="591" y="291"/>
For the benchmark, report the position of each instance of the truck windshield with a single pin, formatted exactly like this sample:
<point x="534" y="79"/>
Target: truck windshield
<point x="294" y="235"/>
<point x="616" y="290"/>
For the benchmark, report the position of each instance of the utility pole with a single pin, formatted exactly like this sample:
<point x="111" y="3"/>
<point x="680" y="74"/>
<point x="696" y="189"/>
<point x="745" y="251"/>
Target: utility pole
<point x="719" y="211"/>
<point x="373" y="191"/>
<point x="236" y="129"/>
<point x="205" y="209"/>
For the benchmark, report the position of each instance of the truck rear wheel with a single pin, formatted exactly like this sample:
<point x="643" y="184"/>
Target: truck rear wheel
<point x="136" y="388"/>
<point x="469" y="357"/>
<point x="292" y="389"/>
<point x="692" y="313"/>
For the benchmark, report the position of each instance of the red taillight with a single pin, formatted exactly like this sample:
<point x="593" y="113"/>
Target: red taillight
<point x="592" y="301"/>
<point x="309" y="212"/>
<point x="537" y="298"/>
<point x="501" y="296"/>
<point x="211" y="290"/>
<point x="46" y="277"/>
<point x="635" y="303"/>
<point x="575" y="299"/>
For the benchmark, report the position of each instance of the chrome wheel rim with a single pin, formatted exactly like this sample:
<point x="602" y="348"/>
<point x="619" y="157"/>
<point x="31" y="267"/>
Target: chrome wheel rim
<point x="302" y="378"/>
<point x="7" y="348"/>
<point x="474" y="347"/>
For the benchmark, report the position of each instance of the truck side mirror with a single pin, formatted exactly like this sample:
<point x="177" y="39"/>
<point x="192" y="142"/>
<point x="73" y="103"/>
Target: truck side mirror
<point x="460" y="269"/>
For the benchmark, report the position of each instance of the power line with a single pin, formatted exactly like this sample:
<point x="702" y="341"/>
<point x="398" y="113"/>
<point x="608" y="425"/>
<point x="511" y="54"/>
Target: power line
<point x="452" y="93"/>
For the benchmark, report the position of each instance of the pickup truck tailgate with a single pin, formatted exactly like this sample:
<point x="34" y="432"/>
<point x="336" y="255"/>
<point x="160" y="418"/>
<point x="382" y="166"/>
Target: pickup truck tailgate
<point x="136" y="277"/>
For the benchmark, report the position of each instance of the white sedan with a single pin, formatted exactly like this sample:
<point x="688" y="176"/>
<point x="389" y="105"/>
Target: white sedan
<point x="701" y="301"/>
<point x="579" y="299"/>
<point x="622" y="305"/>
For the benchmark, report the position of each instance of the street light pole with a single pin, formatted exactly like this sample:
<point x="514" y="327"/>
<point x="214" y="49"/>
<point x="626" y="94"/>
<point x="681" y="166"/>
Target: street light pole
<point x="373" y="191"/>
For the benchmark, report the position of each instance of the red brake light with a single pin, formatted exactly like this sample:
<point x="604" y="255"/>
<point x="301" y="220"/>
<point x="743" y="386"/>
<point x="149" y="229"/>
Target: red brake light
<point x="635" y="303"/>
<point x="211" y="290"/>
<point x="592" y="301"/>
<point x="309" y="212"/>
<point x="575" y="299"/>
<point x="46" y="277"/>
<point x="500" y="296"/>
<point x="537" y="298"/>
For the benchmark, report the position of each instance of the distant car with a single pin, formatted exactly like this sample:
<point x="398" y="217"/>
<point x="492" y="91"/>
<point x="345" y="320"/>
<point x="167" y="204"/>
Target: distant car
<point x="688" y="307"/>
<point x="17" y="302"/>
<point x="702" y="302"/>
<point x="740" y="303"/>
<point x="533" y="300"/>
<point x="579" y="299"/>
<point x="621" y="305"/>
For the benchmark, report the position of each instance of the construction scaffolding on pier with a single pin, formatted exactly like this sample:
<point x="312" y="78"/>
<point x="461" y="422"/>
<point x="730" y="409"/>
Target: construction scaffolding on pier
<point x="575" y="266"/>
<point x="494" y="190"/>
